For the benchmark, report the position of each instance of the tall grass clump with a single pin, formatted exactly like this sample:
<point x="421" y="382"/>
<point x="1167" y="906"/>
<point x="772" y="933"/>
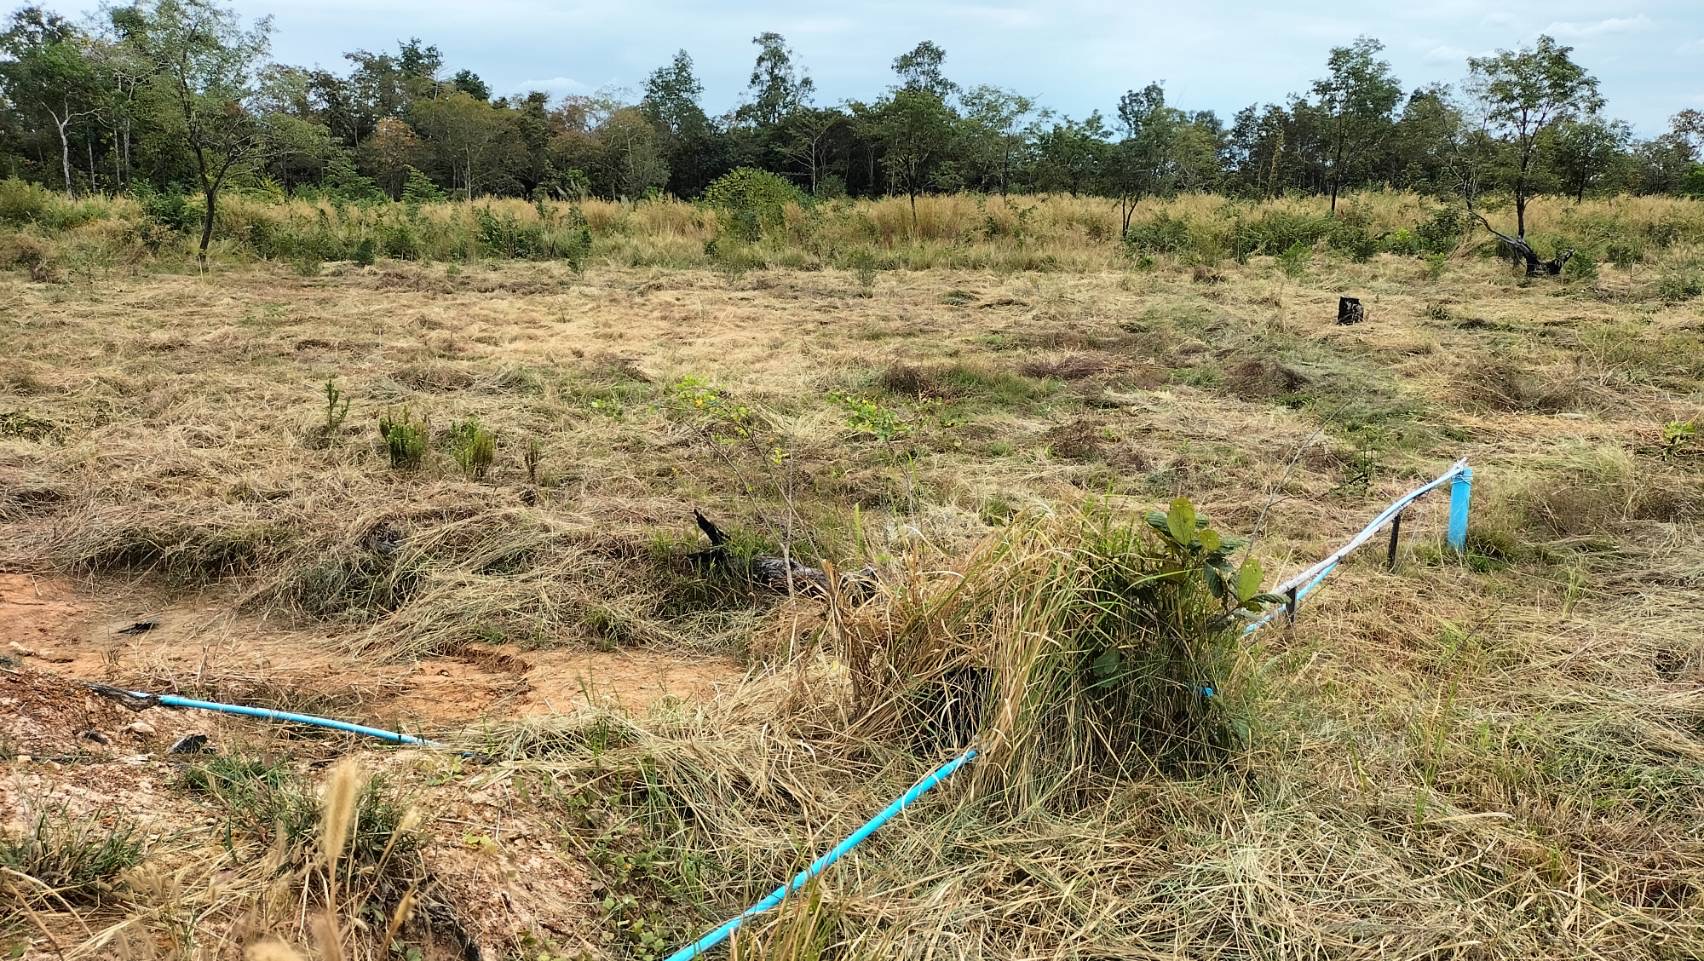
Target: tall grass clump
<point x="71" y="859"/>
<point x="1070" y="650"/>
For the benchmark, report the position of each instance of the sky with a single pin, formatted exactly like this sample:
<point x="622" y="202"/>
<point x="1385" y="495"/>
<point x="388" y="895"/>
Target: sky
<point x="1073" y="55"/>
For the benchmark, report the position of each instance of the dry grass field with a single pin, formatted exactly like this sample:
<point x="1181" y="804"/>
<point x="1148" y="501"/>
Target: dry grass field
<point x="1496" y="756"/>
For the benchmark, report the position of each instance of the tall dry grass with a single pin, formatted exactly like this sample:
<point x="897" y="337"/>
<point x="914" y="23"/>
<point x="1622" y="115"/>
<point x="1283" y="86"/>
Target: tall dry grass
<point x="1040" y="232"/>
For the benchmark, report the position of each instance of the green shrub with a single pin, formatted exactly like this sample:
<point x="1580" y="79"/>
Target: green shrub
<point x="1279" y="230"/>
<point x="862" y="260"/>
<point x="170" y="210"/>
<point x="1352" y="234"/>
<point x="1442" y="232"/>
<point x="405" y="439"/>
<point x="417" y="188"/>
<point x="1624" y="252"/>
<point x="1294" y="260"/>
<point x="1581" y="267"/>
<point x="1404" y="242"/>
<point x="751" y="202"/>
<point x="400" y="240"/>
<point x="1680" y="283"/>
<point x="1164" y="234"/>
<point x="366" y="252"/>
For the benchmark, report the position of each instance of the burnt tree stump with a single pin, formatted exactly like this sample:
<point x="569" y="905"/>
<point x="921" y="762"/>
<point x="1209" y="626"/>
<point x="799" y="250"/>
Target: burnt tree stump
<point x="1350" y="311"/>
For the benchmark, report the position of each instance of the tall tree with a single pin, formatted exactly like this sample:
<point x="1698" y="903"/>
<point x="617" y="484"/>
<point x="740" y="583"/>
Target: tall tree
<point x="1141" y="163"/>
<point x="1521" y="95"/>
<point x="206" y="63"/>
<point x="469" y="83"/>
<point x="1586" y="149"/>
<point x="777" y="86"/>
<point x="466" y="133"/>
<point x="999" y="128"/>
<point x="1071" y="153"/>
<point x="1356" y="98"/>
<point x="47" y="69"/>
<point x="390" y="153"/>
<point x="689" y="142"/>
<point x="633" y="162"/>
<point x="916" y="131"/>
<point x="809" y="141"/>
<point x="920" y="69"/>
<point x="1421" y="146"/>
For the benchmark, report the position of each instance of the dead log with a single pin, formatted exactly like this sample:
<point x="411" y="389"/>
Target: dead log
<point x="1520" y="248"/>
<point x="779" y="574"/>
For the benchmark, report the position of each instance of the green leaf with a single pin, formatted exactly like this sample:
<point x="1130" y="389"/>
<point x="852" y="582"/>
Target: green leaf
<point x="1248" y="581"/>
<point x="1210" y="541"/>
<point x="1215" y="581"/>
<point x="1106" y="665"/>
<point x="1180" y="521"/>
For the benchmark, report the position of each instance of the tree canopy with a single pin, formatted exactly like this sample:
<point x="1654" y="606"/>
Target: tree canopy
<point x="179" y="95"/>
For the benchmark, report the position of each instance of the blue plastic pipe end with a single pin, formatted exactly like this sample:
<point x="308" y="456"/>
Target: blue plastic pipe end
<point x="1461" y="498"/>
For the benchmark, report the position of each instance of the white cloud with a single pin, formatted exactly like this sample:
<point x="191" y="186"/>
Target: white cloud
<point x="1691" y="47"/>
<point x="1444" y="53"/>
<point x="1593" y="28"/>
<point x="557" y="86"/>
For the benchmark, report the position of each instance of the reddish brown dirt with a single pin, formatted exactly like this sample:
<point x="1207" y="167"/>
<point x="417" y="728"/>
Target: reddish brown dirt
<point x="46" y="623"/>
<point x="66" y="749"/>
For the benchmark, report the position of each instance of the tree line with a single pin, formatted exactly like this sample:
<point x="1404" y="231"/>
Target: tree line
<point x="180" y="95"/>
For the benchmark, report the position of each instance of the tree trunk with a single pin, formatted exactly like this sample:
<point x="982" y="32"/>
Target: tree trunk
<point x="1333" y="212"/>
<point x="64" y="150"/>
<point x="1520" y="210"/>
<point x="913" y="195"/>
<point x="212" y="196"/>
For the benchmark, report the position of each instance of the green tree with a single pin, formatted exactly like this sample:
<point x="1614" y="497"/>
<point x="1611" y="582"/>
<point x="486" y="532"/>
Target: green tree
<point x="47" y="71"/>
<point x="1071" y="154"/>
<point x="632" y="158"/>
<point x="1356" y="98"/>
<point x="469" y="83"/>
<point x="920" y="69"/>
<point x="465" y="133"/>
<point x="1142" y="162"/>
<point x="1421" y="147"/>
<point x="205" y="65"/>
<point x="809" y="139"/>
<point x="777" y="86"/>
<point x="1521" y="95"/>
<point x="916" y="131"/>
<point x="1587" y="149"/>
<point x="690" y="144"/>
<point x="998" y="131"/>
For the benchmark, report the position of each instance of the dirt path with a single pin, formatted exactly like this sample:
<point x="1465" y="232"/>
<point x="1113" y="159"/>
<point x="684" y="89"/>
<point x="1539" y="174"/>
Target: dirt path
<point x="88" y="757"/>
<point x="133" y="640"/>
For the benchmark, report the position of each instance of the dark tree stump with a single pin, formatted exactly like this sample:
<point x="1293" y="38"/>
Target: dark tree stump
<point x="1350" y="311"/>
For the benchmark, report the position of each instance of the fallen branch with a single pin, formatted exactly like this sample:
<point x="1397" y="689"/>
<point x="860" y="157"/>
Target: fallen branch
<point x="1534" y="265"/>
<point x="780" y="574"/>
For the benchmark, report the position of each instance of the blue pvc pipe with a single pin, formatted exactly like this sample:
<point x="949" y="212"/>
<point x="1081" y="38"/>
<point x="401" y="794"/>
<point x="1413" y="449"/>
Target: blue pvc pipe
<point x="1461" y="497"/>
<point x="731" y="925"/>
<point x="394" y="737"/>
